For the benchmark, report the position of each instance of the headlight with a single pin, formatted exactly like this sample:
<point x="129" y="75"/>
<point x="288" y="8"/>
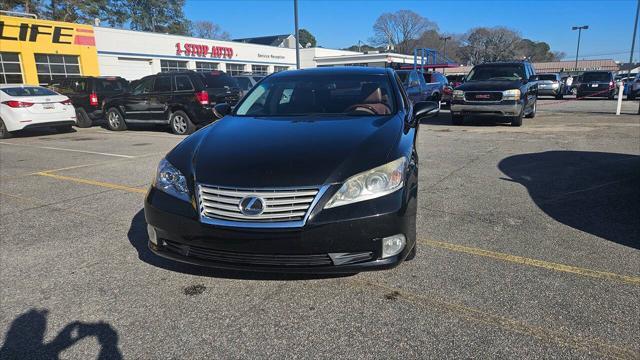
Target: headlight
<point x="513" y="94"/>
<point x="555" y="85"/>
<point x="370" y="184"/>
<point x="170" y="180"/>
<point x="458" y="94"/>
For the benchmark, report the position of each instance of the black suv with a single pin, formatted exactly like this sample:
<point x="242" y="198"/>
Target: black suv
<point x="183" y="99"/>
<point x="87" y="93"/>
<point x="508" y="90"/>
<point x="597" y="84"/>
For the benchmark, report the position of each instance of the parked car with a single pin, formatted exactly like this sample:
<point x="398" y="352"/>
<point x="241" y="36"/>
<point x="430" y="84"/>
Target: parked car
<point x="550" y="85"/>
<point x="441" y="89"/>
<point x="455" y="80"/>
<point x="419" y="86"/>
<point x="247" y="82"/>
<point x="88" y="92"/>
<point x="633" y="89"/>
<point x="28" y="107"/>
<point x="597" y="84"/>
<point x="314" y="171"/>
<point x="508" y="90"/>
<point x="183" y="100"/>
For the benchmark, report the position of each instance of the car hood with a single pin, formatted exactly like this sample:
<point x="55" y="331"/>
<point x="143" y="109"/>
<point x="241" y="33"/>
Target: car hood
<point x="248" y="152"/>
<point x="489" y="85"/>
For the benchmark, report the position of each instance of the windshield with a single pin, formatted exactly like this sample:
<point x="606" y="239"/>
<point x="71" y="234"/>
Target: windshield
<point x="596" y="76"/>
<point x="28" y="91"/>
<point x="320" y="94"/>
<point x="503" y="72"/>
<point x="547" y="77"/>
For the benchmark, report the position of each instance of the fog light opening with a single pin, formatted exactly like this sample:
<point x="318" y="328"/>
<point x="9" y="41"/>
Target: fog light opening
<point x="393" y="245"/>
<point x="153" y="237"/>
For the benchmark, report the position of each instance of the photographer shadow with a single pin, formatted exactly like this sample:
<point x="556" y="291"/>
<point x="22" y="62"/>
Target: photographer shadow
<point x="25" y="338"/>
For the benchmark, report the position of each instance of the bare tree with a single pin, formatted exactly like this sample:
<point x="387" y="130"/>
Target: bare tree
<point x="399" y="30"/>
<point x="209" y="30"/>
<point x="490" y="44"/>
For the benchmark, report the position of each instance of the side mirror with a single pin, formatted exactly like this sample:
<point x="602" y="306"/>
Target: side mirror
<point x="221" y="110"/>
<point x="425" y="109"/>
<point x="414" y="83"/>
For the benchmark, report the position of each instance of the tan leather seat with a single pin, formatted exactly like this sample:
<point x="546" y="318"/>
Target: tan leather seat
<point x="372" y="100"/>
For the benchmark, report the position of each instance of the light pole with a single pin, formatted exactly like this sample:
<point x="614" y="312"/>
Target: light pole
<point x="579" y="28"/>
<point x="633" y="40"/>
<point x="295" y="16"/>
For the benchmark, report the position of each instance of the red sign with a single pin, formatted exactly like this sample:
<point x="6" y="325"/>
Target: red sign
<point x="204" y="51"/>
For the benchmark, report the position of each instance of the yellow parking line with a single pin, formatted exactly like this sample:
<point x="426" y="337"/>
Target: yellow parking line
<point x="561" y="337"/>
<point x="95" y="183"/>
<point x="633" y="280"/>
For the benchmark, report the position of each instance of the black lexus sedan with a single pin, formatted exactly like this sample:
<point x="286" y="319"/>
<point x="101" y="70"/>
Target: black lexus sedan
<point x="314" y="171"/>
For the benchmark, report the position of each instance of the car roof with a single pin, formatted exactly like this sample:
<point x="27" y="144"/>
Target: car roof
<point x="4" y="86"/>
<point x="503" y="63"/>
<point x="330" y="70"/>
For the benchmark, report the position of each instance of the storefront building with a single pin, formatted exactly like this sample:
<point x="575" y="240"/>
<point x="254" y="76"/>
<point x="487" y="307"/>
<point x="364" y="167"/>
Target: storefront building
<point x="134" y="54"/>
<point x="36" y="51"/>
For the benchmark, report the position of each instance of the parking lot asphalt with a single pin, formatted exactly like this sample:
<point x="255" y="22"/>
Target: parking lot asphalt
<point x="529" y="247"/>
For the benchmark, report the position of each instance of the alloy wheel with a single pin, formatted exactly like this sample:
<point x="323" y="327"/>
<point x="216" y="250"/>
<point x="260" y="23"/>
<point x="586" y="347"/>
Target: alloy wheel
<point x="114" y="120"/>
<point x="179" y="124"/>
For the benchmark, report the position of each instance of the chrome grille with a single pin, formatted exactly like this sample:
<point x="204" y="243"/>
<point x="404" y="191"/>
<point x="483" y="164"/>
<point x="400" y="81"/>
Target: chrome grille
<point x="280" y="205"/>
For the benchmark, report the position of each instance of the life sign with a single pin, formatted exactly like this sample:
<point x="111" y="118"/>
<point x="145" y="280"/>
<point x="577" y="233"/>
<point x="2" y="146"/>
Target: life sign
<point x="33" y="32"/>
<point x="204" y="51"/>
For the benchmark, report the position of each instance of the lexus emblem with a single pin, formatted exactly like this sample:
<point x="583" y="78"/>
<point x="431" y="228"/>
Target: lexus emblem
<point x="251" y="206"/>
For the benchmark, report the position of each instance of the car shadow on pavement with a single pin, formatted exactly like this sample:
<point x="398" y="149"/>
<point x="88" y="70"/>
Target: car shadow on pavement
<point x="43" y="131"/>
<point x="25" y="338"/>
<point x="139" y="239"/>
<point x="595" y="192"/>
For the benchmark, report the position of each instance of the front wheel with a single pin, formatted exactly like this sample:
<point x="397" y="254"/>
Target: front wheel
<point x="115" y="120"/>
<point x="559" y="96"/>
<point x="4" y="133"/>
<point x="181" y="124"/>
<point x="631" y="95"/>
<point x="532" y="114"/>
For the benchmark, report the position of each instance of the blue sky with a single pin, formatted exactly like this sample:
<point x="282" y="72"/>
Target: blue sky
<point x="341" y="23"/>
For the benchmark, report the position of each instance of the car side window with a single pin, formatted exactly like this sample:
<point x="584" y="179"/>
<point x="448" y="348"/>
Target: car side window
<point x="162" y="84"/>
<point x="143" y="87"/>
<point x="183" y="83"/>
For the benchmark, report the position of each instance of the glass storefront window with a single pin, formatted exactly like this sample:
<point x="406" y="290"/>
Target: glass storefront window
<point x="206" y="66"/>
<point x="172" y="65"/>
<point x="259" y="69"/>
<point x="235" y="69"/>
<point x="10" y="71"/>
<point x="53" y="67"/>
<point x="280" y="68"/>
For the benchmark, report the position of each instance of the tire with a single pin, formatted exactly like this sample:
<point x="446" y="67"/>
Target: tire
<point x="4" y="133"/>
<point x="611" y="96"/>
<point x="579" y="96"/>
<point x="412" y="254"/>
<point x="532" y="114"/>
<point x="559" y="96"/>
<point x="457" y="119"/>
<point x="82" y="118"/>
<point x="115" y="120"/>
<point x="517" y="120"/>
<point x="181" y="123"/>
<point x="64" y="129"/>
<point x="631" y="95"/>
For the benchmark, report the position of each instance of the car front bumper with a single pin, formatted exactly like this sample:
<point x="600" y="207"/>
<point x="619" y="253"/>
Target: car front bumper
<point x="332" y="240"/>
<point x="503" y="108"/>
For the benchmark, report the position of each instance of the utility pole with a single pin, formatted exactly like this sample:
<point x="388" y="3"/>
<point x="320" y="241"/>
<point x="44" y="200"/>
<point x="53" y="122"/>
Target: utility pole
<point x="295" y="16"/>
<point x="444" y="48"/>
<point x="633" y="40"/>
<point x="579" y="28"/>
